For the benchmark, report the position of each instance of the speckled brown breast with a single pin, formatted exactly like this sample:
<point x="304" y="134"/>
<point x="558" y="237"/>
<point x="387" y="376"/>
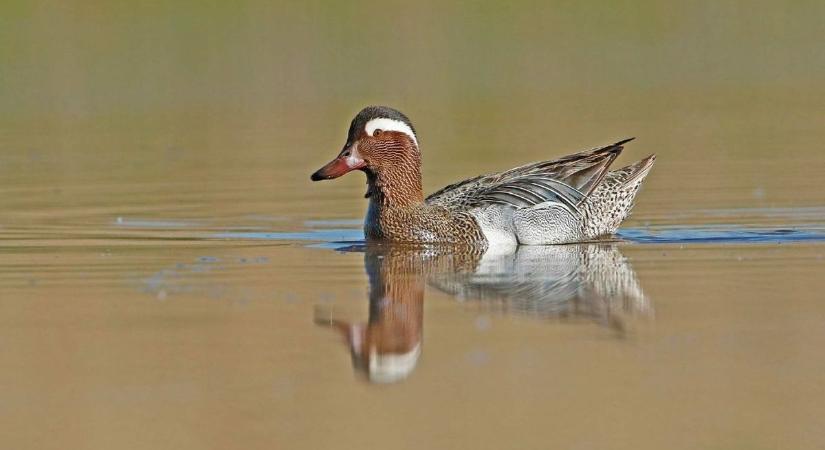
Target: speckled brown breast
<point x="421" y="223"/>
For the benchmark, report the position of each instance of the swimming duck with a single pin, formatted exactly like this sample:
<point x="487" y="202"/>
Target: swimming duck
<point x="571" y="199"/>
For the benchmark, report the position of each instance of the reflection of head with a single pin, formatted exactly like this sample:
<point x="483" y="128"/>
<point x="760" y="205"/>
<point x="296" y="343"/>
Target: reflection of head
<point x="387" y="348"/>
<point x="392" y="367"/>
<point x="383" y="360"/>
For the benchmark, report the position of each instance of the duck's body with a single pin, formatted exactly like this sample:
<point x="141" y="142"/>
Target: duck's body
<point x="572" y="199"/>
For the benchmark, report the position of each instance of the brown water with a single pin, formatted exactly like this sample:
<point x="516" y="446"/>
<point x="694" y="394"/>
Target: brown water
<point x="170" y="278"/>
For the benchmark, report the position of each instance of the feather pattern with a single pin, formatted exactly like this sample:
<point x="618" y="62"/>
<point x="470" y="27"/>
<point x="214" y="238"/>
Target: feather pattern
<point x="530" y="190"/>
<point x="568" y="181"/>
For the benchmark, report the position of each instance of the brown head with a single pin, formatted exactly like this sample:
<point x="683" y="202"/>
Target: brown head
<point x="382" y="143"/>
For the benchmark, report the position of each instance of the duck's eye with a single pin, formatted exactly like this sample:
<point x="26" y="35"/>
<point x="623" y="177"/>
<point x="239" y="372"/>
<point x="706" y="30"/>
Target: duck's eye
<point x="377" y="132"/>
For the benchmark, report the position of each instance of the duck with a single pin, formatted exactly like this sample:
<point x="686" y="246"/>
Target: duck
<point x="575" y="198"/>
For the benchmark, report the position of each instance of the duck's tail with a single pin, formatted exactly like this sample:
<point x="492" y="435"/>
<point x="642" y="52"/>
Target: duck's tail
<point x="634" y="174"/>
<point x="612" y="201"/>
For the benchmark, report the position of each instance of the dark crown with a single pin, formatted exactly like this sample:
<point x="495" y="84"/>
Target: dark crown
<point x="375" y="112"/>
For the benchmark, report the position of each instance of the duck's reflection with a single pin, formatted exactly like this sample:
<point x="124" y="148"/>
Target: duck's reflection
<point x="584" y="281"/>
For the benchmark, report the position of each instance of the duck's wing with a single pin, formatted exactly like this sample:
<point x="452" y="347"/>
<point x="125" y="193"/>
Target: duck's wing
<point x="567" y="180"/>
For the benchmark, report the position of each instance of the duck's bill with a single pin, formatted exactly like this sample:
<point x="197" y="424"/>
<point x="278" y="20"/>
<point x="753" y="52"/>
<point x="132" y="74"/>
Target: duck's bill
<point x="337" y="167"/>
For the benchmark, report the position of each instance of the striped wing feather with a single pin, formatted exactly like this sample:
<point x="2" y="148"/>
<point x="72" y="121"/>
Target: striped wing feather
<point x="567" y="180"/>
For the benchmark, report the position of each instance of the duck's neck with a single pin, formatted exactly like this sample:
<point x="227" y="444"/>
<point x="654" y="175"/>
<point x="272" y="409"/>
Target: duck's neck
<point x="397" y="185"/>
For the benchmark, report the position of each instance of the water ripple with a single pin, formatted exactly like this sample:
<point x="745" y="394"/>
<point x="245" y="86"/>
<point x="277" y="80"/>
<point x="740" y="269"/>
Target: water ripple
<point x="719" y="234"/>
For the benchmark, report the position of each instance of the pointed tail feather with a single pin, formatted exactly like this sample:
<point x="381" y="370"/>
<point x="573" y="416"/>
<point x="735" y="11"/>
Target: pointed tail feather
<point x="635" y="172"/>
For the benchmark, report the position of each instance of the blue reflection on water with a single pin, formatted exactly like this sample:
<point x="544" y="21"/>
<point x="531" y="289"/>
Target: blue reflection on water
<point x="719" y="234"/>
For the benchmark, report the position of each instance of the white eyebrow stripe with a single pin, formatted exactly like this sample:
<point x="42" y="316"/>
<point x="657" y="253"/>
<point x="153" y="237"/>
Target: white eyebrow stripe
<point x="385" y="124"/>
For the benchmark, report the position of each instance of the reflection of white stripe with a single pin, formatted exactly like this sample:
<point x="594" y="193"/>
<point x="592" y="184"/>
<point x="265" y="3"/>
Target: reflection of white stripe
<point x="392" y="367"/>
<point x="356" y="338"/>
<point x="390" y="125"/>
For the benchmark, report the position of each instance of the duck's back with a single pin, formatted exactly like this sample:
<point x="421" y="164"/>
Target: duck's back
<point x="533" y="183"/>
<point x="570" y="199"/>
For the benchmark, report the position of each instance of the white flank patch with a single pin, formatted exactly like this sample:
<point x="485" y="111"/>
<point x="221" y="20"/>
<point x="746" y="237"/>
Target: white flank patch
<point x="496" y="224"/>
<point x="390" y="125"/>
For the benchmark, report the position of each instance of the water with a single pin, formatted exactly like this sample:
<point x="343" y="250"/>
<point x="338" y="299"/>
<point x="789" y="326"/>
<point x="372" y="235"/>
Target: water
<point x="170" y="278"/>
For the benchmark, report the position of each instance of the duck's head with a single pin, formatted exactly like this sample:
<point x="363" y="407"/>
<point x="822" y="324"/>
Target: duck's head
<point x="379" y="139"/>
